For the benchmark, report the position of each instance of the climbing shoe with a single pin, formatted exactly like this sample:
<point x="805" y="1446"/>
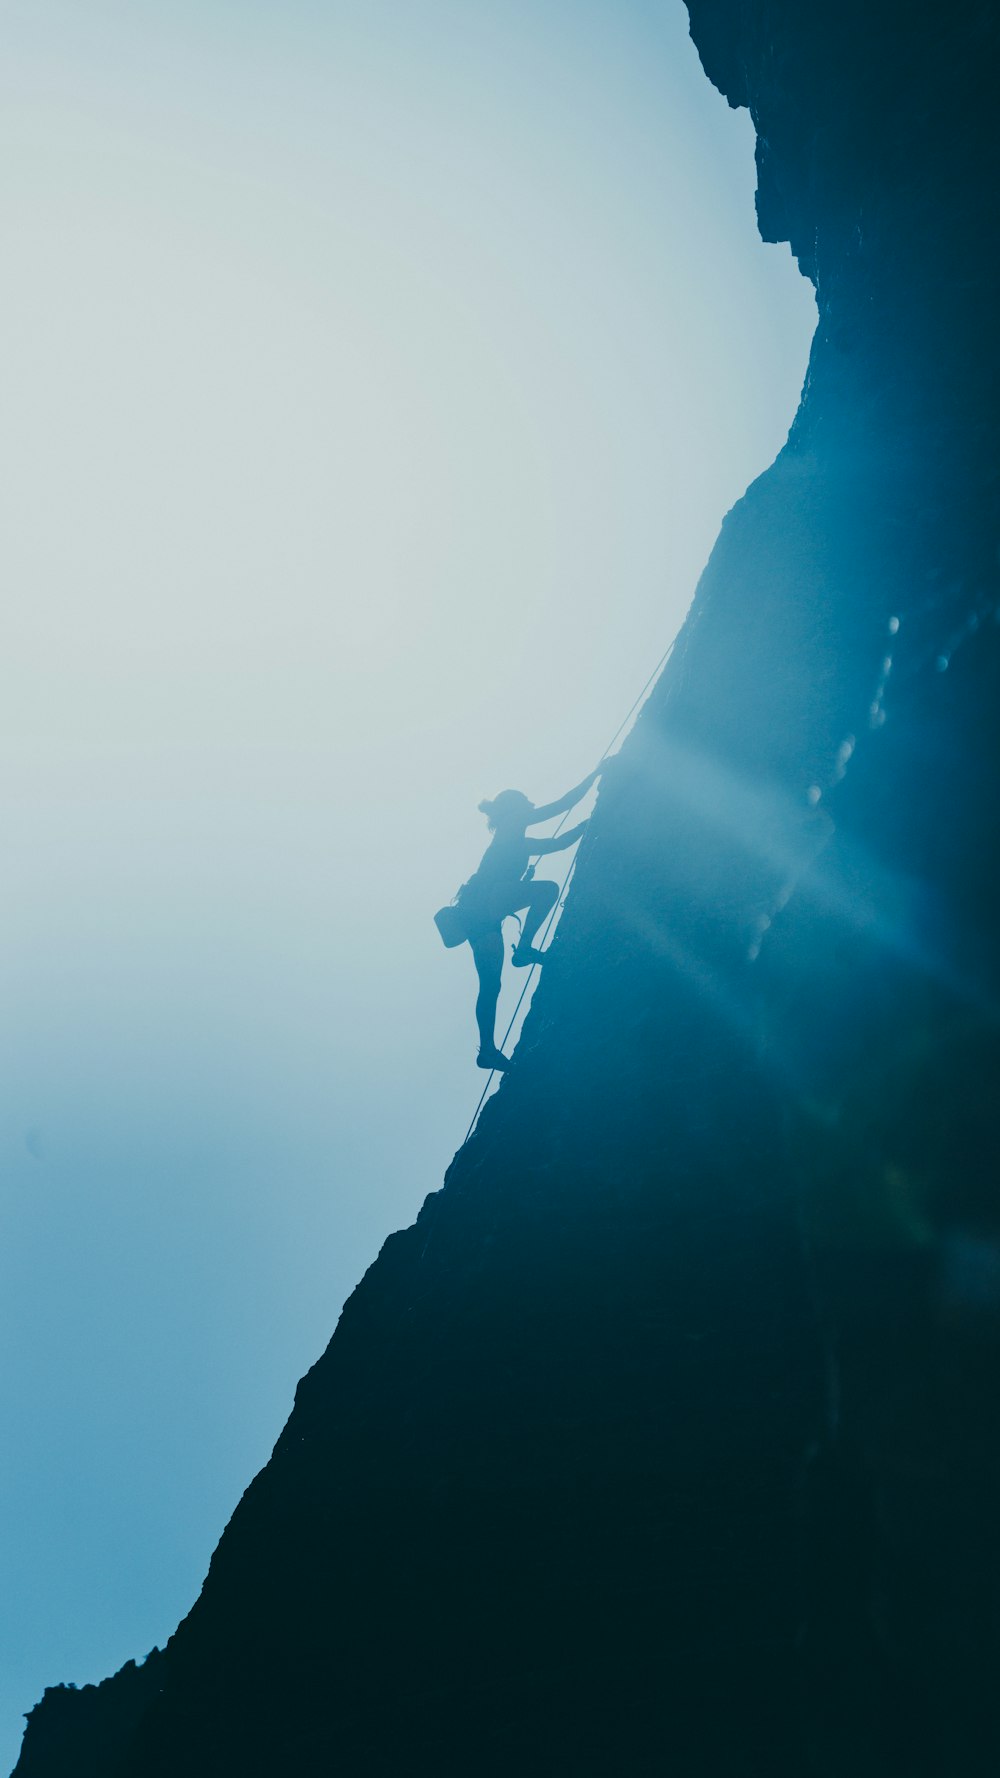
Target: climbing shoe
<point x="493" y="1059"/>
<point x="525" y="955"/>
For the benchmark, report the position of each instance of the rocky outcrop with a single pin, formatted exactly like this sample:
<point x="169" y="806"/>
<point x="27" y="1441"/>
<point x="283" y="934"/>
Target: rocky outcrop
<point x="666" y="1440"/>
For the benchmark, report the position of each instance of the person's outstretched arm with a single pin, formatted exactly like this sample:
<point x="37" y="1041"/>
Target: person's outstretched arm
<point x="565" y="802"/>
<point x="558" y="842"/>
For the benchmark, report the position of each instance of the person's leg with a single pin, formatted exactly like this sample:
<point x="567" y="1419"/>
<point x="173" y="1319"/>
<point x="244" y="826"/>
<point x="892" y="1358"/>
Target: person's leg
<point x="541" y="900"/>
<point x="487" y="950"/>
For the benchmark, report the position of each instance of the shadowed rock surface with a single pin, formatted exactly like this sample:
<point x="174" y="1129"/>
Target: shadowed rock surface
<point x="666" y="1440"/>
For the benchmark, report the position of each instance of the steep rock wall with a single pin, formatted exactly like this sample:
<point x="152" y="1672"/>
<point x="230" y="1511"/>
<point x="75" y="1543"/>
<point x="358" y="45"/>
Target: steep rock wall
<point x="665" y="1440"/>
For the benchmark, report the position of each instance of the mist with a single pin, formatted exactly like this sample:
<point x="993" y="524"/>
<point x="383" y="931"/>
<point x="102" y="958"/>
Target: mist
<point x="376" y="380"/>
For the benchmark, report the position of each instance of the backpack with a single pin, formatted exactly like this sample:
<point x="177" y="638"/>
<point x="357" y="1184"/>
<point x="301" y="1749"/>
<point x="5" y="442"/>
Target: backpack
<point x="450" y="922"/>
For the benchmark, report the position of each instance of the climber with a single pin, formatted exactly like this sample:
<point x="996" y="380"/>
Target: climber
<point x="505" y="884"/>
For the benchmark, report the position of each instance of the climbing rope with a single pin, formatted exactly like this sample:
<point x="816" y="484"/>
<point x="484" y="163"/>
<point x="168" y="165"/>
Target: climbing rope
<point x="619" y="731"/>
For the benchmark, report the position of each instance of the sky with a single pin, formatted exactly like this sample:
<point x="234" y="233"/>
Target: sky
<point x="375" y="376"/>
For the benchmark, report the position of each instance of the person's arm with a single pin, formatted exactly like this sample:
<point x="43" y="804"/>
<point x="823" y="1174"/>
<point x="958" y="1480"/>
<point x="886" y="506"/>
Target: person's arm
<point x="558" y="842"/>
<point x="565" y="802"/>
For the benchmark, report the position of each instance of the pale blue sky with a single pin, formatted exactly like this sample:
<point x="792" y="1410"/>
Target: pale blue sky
<point x="375" y="378"/>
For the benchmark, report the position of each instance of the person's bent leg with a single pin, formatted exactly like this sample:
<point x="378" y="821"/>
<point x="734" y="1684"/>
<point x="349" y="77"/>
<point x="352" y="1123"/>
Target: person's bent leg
<point x="539" y="905"/>
<point x="487" y="950"/>
<point x="541" y="901"/>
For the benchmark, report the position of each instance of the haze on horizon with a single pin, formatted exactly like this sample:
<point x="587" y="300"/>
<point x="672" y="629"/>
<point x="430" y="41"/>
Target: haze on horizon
<point x="376" y="379"/>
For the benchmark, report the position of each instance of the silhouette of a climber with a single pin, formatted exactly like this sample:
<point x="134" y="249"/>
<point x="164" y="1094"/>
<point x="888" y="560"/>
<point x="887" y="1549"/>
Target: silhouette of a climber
<point x="505" y="884"/>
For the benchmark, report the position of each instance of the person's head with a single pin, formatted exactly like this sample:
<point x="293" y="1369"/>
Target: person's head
<point x="510" y="809"/>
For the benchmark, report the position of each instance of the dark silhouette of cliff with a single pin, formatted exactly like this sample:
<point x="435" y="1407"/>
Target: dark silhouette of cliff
<point x="666" y="1440"/>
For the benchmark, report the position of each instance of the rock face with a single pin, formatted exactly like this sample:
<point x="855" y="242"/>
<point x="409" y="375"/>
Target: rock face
<point x="666" y="1440"/>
